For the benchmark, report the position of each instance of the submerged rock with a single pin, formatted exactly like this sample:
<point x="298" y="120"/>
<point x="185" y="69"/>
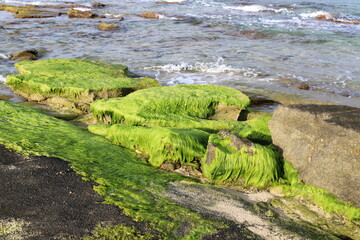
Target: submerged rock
<point x="185" y="106"/>
<point x="323" y="144"/>
<point x="30" y="11"/>
<point x="75" y="82"/>
<point x="31" y="54"/>
<point x="152" y="15"/>
<point x="107" y="27"/>
<point x="75" y="13"/>
<point x="230" y="158"/>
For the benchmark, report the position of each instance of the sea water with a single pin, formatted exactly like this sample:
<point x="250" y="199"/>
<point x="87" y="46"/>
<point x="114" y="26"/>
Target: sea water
<point x="270" y="47"/>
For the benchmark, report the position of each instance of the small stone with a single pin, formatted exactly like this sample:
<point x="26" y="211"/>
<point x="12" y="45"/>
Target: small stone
<point x="74" y="13"/>
<point x="107" y="27"/>
<point x="303" y="86"/>
<point x="25" y="55"/>
<point x="152" y="15"/>
<point x="98" y="5"/>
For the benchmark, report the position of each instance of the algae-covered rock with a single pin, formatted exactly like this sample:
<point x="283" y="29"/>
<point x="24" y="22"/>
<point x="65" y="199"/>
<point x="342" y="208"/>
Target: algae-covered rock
<point x="160" y="144"/>
<point x="230" y="158"/>
<point x="79" y="81"/>
<point x="137" y="188"/>
<point x="185" y="106"/>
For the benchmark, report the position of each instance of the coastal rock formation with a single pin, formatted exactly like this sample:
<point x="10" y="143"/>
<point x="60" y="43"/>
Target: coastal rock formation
<point x="71" y="82"/>
<point x="31" y="54"/>
<point x="107" y="27"/>
<point x="152" y="15"/>
<point x="75" y="13"/>
<point x="31" y="11"/>
<point x="185" y="106"/>
<point x="158" y="144"/>
<point x="230" y="158"/>
<point x="323" y="144"/>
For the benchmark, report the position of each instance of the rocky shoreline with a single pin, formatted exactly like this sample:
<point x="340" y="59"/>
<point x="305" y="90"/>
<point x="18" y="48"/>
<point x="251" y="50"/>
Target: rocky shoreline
<point x="208" y="133"/>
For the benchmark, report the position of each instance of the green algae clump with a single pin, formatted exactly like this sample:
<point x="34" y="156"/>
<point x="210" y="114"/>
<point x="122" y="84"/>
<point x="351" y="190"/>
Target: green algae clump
<point x="161" y="144"/>
<point x="184" y="106"/>
<point x="134" y="186"/>
<point x="79" y="81"/>
<point x="230" y="158"/>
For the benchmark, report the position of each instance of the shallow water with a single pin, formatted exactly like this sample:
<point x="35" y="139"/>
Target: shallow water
<point x="268" y="47"/>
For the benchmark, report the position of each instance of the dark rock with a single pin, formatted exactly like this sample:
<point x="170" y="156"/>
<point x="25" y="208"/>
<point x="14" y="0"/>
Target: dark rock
<point x="323" y="144"/>
<point x="25" y="55"/>
<point x="303" y="86"/>
<point x="1" y="27"/>
<point x="98" y="5"/>
<point x="107" y="27"/>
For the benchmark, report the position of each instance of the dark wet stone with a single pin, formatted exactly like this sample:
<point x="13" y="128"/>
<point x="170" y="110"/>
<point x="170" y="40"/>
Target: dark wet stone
<point x="31" y="54"/>
<point x="98" y="5"/>
<point x="323" y="144"/>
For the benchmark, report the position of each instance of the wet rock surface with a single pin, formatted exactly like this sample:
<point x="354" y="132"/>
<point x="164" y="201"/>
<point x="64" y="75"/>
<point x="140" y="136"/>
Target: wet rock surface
<point x="108" y="27"/>
<point x="323" y="144"/>
<point x="51" y="198"/>
<point x="31" y="54"/>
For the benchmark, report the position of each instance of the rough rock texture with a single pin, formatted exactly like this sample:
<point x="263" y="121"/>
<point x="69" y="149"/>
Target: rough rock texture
<point x="73" y="13"/>
<point x="323" y="144"/>
<point x="25" y="55"/>
<point x="153" y="15"/>
<point x="107" y="27"/>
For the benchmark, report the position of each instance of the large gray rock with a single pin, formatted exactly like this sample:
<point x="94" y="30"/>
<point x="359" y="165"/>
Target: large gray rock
<point x="323" y="144"/>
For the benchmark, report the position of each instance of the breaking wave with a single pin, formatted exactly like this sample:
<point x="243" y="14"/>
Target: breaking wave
<point x="2" y="79"/>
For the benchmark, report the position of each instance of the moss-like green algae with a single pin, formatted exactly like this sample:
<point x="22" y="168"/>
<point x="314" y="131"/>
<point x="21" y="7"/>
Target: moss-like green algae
<point x="257" y="165"/>
<point x="172" y="145"/>
<point x="185" y="106"/>
<point x="75" y="79"/>
<point x="122" y="179"/>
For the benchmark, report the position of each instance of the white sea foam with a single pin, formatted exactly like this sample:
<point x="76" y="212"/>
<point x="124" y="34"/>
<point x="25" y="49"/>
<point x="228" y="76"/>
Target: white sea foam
<point x="2" y="79"/>
<point x="212" y="67"/>
<point x="3" y="56"/>
<point x="248" y="8"/>
<point x="82" y="9"/>
<point x="30" y="3"/>
<point x="316" y="14"/>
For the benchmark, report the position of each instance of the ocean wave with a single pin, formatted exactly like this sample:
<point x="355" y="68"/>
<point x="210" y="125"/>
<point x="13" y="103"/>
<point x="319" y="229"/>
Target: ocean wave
<point x="29" y="3"/>
<point x="212" y="67"/>
<point x="331" y="17"/>
<point x="258" y="8"/>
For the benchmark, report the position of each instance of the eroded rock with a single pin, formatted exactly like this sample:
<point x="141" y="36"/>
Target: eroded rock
<point x="108" y="27"/>
<point x="75" y="13"/>
<point x="31" y="54"/>
<point x="323" y="144"/>
<point x="151" y="15"/>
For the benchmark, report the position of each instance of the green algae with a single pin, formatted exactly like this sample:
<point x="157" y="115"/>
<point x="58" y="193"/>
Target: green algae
<point x="252" y="164"/>
<point x="171" y="145"/>
<point x="328" y="202"/>
<point x="124" y="180"/>
<point x="12" y="229"/>
<point x="183" y="106"/>
<point x="75" y="79"/>
<point x="256" y="130"/>
<point x="117" y="232"/>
